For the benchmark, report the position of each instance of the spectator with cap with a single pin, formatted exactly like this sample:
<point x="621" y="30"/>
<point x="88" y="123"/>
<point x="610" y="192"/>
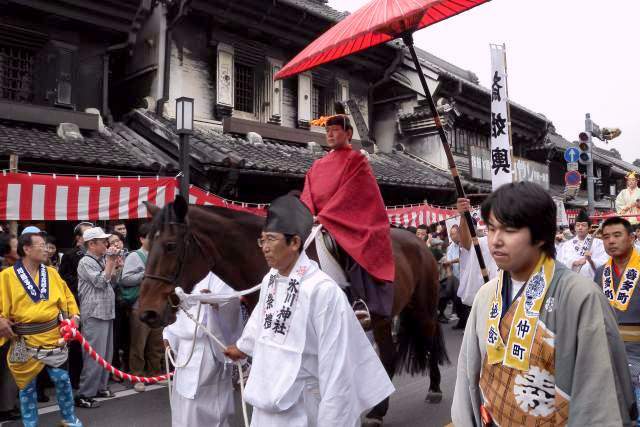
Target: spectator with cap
<point x="69" y="271"/>
<point x="96" y="279"/>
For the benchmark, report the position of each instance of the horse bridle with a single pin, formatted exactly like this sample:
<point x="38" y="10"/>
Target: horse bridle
<point x="172" y="299"/>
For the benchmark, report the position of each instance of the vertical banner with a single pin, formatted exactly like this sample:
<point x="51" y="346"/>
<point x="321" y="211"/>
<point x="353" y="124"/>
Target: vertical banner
<point x="562" y="220"/>
<point x="502" y="170"/>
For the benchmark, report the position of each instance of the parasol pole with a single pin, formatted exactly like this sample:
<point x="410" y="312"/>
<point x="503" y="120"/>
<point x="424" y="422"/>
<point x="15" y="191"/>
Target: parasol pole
<point x="407" y="38"/>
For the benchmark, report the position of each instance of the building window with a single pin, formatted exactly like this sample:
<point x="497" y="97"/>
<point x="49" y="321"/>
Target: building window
<point x="16" y="74"/>
<point x="318" y="102"/>
<point x="244" y="88"/>
<point x="460" y="142"/>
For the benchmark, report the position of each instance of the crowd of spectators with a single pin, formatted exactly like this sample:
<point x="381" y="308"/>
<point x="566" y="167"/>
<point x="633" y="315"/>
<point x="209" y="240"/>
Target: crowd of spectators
<point x="103" y="271"/>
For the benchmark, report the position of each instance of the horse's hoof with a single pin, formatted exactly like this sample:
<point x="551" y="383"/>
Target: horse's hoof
<point x="372" y="422"/>
<point x="434" y="397"/>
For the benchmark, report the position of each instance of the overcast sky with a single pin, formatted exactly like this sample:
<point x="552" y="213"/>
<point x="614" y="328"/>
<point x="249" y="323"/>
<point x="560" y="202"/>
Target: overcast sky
<point x="564" y="58"/>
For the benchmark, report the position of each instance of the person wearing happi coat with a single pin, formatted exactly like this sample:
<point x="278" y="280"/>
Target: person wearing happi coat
<point x="627" y="198"/>
<point x="312" y="362"/>
<point x="341" y="191"/>
<point x="203" y="391"/>
<point x="541" y="346"/>
<point x="618" y="279"/>
<point x="585" y="252"/>
<point x="34" y="296"/>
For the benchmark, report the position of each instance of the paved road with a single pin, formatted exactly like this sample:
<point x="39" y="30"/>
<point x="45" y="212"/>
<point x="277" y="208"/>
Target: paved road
<point x="151" y="409"/>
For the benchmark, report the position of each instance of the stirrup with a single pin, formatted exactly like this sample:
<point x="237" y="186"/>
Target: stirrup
<point x="362" y="314"/>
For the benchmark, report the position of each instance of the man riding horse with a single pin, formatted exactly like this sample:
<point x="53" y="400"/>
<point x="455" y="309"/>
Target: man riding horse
<point x="341" y="192"/>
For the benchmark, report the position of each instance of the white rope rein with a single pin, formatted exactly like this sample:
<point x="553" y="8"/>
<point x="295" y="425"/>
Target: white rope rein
<point x="187" y="300"/>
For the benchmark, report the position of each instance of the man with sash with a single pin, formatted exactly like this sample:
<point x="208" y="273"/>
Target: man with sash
<point x="34" y="297"/>
<point x="312" y="362"/>
<point x="341" y="191"/>
<point x="584" y="253"/>
<point x="541" y="346"/>
<point x="626" y="200"/>
<point x="618" y="278"/>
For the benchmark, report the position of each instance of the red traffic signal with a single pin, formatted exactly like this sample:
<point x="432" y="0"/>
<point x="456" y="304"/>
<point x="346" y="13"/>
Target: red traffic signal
<point x="583" y="137"/>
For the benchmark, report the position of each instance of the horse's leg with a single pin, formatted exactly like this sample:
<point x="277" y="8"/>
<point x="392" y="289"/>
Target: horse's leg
<point x="435" y="393"/>
<point x="386" y="350"/>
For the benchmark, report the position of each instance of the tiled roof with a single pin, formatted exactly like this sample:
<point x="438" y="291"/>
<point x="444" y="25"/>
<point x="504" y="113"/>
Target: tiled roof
<point x="42" y="142"/>
<point x="213" y="148"/>
<point x="317" y="7"/>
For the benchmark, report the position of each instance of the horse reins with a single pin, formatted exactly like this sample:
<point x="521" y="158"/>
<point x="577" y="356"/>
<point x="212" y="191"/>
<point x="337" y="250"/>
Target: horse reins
<point x="172" y="299"/>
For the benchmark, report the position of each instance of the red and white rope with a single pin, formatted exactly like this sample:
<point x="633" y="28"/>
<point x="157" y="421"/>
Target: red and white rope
<point x="70" y="332"/>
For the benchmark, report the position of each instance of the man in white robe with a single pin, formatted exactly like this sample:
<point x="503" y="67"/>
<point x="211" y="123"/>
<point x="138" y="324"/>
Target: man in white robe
<point x="470" y="275"/>
<point x="584" y="253"/>
<point x="203" y="390"/>
<point x="626" y="200"/>
<point x="312" y="362"/>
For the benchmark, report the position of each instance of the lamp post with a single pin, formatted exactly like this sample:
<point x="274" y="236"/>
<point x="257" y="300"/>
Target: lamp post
<point x="184" y="126"/>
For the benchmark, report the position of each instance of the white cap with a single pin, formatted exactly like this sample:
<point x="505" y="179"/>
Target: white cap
<point x="94" y="233"/>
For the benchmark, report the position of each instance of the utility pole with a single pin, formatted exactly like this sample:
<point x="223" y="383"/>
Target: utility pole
<point x="588" y="128"/>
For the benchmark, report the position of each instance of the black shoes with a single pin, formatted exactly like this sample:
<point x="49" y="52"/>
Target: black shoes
<point x="86" y="402"/>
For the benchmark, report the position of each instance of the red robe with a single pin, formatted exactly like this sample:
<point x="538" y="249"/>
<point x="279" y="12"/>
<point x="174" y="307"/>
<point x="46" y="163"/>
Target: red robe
<point x="341" y="191"/>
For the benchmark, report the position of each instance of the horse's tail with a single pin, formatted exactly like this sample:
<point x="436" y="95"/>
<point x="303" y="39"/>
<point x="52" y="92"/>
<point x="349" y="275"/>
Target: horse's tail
<point x="420" y="335"/>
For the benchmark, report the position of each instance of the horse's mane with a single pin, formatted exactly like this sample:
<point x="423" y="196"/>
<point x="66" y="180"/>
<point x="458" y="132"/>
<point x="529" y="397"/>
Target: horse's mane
<point x="167" y="215"/>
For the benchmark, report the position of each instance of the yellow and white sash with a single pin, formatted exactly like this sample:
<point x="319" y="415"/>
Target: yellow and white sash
<point x="517" y="352"/>
<point x="620" y="299"/>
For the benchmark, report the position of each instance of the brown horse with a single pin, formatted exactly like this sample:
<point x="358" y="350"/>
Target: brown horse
<point x="188" y="242"/>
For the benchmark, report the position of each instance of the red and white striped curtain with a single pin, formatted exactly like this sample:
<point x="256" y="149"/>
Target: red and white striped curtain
<point x="43" y="197"/>
<point x="36" y="197"/>
<point x="415" y="215"/>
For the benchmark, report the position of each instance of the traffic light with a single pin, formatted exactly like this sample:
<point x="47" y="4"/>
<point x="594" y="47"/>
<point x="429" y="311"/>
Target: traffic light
<point x="585" y="148"/>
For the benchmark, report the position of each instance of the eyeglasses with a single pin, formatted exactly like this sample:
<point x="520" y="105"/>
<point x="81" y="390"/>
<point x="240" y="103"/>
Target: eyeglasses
<point x="268" y="241"/>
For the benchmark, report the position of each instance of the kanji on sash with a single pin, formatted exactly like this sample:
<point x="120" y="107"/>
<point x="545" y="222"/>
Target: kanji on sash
<point x="269" y="302"/>
<point x="494" y="311"/>
<point x="522" y="328"/>
<point x="518" y="351"/>
<point x="268" y="319"/>
<point x="284" y="313"/>
<point x="279" y="327"/>
<point x="492" y="336"/>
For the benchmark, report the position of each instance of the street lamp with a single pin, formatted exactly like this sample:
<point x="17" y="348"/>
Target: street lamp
<point x="184" y="126"/>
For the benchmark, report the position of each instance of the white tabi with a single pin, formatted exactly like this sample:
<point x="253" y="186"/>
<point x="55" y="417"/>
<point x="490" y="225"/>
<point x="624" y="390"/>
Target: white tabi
<point x="203" y="391"/>
<point x="574" y="249"/>
<point x="470" y="275"/>
<point x="312" y="362"/>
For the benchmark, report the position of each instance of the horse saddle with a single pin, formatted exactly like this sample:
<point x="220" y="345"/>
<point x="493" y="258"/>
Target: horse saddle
<point x="331" y="257"/>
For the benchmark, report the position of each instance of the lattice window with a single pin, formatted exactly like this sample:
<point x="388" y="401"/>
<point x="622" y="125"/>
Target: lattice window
<point x="244" y="88"/>
<point x="16" y="73"/>
<point x="318" y="102"/>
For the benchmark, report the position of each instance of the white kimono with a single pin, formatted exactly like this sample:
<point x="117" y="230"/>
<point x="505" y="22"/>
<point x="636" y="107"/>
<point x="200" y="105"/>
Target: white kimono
<point x="312" y="362"/>
<point x="203" y="392"/>
<point x="470" y="276"/>
<point x="574" y="249"/>
<point x="625" y="198"/>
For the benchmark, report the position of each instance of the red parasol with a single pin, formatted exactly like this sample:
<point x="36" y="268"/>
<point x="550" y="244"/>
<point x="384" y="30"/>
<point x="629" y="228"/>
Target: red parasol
<point x="374" y="23"/>
<point x="377" y="22"/>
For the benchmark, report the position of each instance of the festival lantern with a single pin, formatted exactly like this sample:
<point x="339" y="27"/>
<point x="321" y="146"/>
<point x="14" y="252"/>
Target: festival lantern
<point x="377" y="22"/>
